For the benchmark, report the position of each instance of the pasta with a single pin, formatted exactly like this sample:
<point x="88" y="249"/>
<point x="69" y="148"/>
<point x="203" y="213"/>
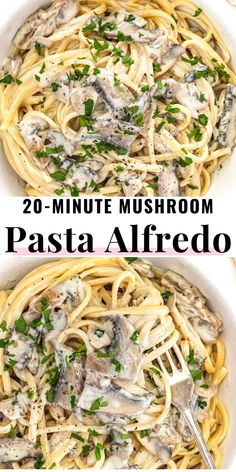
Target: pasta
<point x="87" y="107"/>
<point x="80" y="386"/>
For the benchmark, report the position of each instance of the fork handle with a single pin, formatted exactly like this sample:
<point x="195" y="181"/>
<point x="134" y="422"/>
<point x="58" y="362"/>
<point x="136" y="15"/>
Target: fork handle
<point x="197" y="434"/>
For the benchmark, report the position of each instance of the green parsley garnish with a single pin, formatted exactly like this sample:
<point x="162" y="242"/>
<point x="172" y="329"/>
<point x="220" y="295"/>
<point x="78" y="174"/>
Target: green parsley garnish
<point x="134" y="337"/>
<point x="98" y="403"/>
<point x="39" y="49"/>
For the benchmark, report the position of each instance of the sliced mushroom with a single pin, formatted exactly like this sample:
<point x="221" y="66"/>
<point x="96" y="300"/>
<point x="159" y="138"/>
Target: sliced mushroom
<point x="12" y="65"/>
<point x="172" y="54"/>
<point x="17" y="449"/>
<point x="188" y="95"/>
<point x="111" y="131"/>
<point x="125" y="23"/>
<point x="116" y="400"/>
<point x="22" y="349"/>
<point x="15" y="408"/>
<point x="116" y="97"/>
<point x="125" y="364"/>
<point x="193" y="306"/>
<point x="131" y="183"/>
<point x="68" y="294"/>
<point x="168" y="182"/>
<point x="227" y="127"/>
<point x="165" y="436"/>
<point x="70" y="381"/>
<point x="30" y="129"/>
<point x="59" y="321"/>
<point x="56" y="139"/>
<point x="191" y="76"/>
<point x="143" y="267"/>
<point x="43" y="23"/>
<point x="121" y="448"/>
<point x="100" y="337"/>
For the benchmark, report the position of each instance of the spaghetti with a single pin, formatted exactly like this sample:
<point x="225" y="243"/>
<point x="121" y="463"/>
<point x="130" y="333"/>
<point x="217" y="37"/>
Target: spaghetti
<point x="80" y="386"/>
<point x="118" y="97"/>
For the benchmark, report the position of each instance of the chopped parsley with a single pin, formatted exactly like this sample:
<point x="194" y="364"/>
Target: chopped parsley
<point x="53" y="379"/>
<point x="145" y="88"/>
<point x="166" y="295"/>
<point x="192" y="61"/>
<point x="203" y="119"/>
<point x="88" y="106"/>
<point x="80" y="352"/>
<point x="43" y="68"/>
<point x="204" y="386"/>
<point x="157" y="68"/>
<point x="130" y="17"/>
<point x="190" y="358"/>
<point x="20" y="325"/>
<point x="98" y="403"/>
<point x="201" y="403"/>
<point x="3" y="326"/>
<point x="39" y="49"/>
<point x="78" y="437"/>
<point x="110" y="354"/>
<point x="196" y="374"/>
<point x="192" y="187"/>
<point x="30" y="394"/>
<point x="4" y="343"/>
<point x="156" y="371"/>
<point x="93" y="432"/>
<point x="172" y="109"/>
<point x="118" y="366"/>
<point x="195" y="133"/>
<point x="39" y="463"/>
<point x="134" y="337"/>
<point x="127" y="61"/>
<point x="159" y="127"/>
<point x="89" y="27"/>
<point x="144" y="433"/>
<point x="55" y="86"/>
<point x="8" y="79"/>
<point x="185" y="162"/>
<point x="202" y="97"/>
<point x="198" y="12"/>
<point x="97" y="451"/>
<point x="130" y="259"/>
<point x="59" y="175"/>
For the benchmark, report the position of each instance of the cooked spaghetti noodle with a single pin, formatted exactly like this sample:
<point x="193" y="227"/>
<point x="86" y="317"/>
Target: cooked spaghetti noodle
<point x="118" y="97"/>
<point x="80" y="385"/>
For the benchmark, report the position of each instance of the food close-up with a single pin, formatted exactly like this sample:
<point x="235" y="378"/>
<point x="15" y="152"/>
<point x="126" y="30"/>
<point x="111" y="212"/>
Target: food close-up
<point x="118" y="98"/>
<point x="88" y="350"/>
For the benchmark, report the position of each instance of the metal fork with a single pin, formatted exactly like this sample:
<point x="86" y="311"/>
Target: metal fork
<point x="182" y="386"/>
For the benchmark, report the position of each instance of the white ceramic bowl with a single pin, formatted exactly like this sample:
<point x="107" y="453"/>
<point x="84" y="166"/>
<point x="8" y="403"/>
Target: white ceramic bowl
<point x="13" y="14"/>
<point x="215" y="277"/>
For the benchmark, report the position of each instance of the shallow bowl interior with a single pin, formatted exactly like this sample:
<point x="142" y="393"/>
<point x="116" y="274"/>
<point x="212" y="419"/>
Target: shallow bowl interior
<point x="14" y="13"/>
<point x="215" y="277"/>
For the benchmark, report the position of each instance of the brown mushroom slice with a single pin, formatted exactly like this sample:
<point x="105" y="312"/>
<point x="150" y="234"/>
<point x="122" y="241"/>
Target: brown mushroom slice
<point x="70" y="379"/>
<point x="227" y="127"/>
<point x="193" y="306"/>
<point x="168" y="182"/>
<point x="42" y="23"/>
<point x="121" y="448"/>
<point x="115" y="97"/>
<point x="112" y="399"/>
<point x="130" y="25"/>
<point x="15" y="408"/>
<point x="125" y="362"/>
<point x="17" y="449"/>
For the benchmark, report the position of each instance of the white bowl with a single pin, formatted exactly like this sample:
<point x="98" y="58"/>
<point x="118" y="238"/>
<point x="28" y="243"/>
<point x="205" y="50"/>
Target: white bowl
<point x="215" y="277"/>
<point x="13" y="14"/>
